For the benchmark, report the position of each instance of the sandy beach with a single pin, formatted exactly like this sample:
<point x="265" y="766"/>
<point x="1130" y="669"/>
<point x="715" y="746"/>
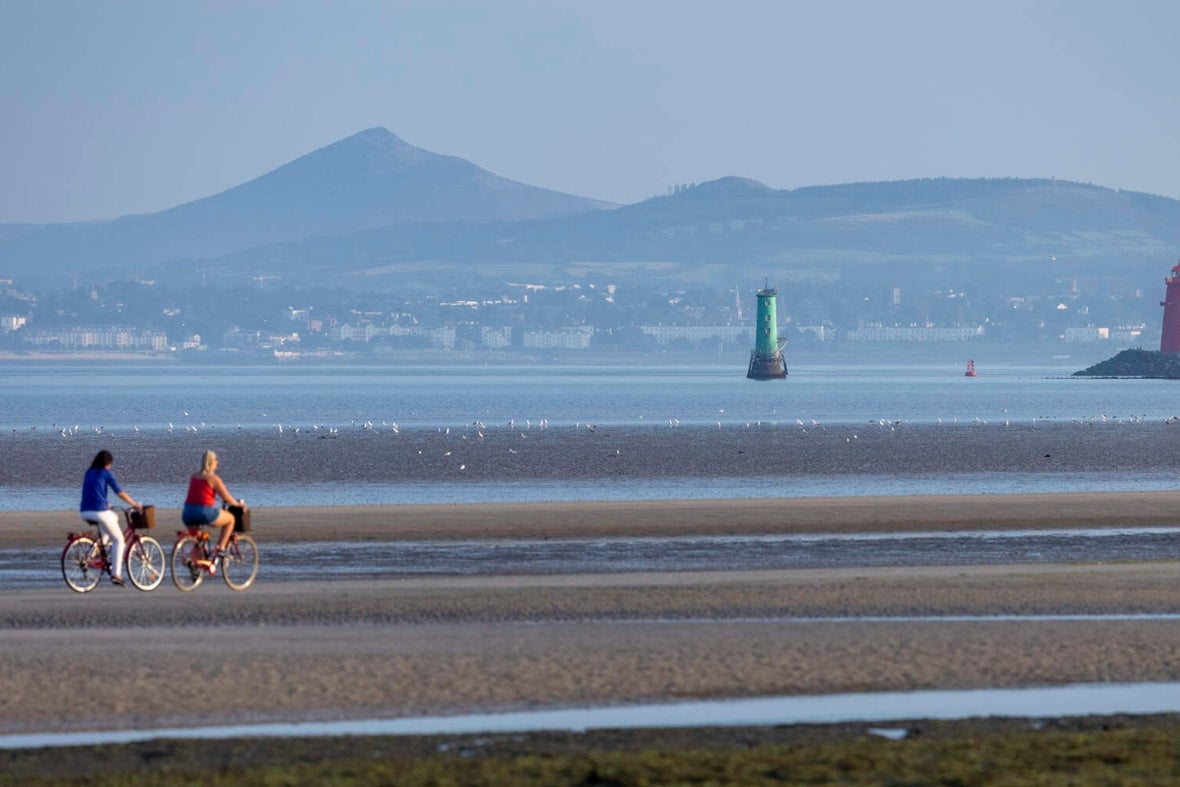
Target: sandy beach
<point x="397" y="647"/>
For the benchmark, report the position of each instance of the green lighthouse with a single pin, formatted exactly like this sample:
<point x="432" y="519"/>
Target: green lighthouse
<point x="766" y="359"/>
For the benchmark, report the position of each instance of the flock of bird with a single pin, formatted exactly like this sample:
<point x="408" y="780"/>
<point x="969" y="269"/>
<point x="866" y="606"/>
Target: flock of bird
<point x="325" y="431"/>
<point x="478" y="429"/>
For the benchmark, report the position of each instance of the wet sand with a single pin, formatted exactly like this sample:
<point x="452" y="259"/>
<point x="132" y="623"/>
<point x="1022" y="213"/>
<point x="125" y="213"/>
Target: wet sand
<point x="786" y="456"/>
<point x="660" y="517"/>
<point x="395" y="647"/>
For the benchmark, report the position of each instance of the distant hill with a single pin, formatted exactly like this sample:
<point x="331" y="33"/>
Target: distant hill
<point x="992" y="229"/>
<point x="371" y="179"/>
<point x="374" y="209"/>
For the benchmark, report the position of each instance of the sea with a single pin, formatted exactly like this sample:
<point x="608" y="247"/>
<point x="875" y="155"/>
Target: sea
<point x="319" y="435"/>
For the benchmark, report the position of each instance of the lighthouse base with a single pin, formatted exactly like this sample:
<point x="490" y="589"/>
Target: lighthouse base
<point x="766" y="367"/>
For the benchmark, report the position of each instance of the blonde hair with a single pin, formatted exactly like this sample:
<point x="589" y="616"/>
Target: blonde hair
<point x="207" y="460"/>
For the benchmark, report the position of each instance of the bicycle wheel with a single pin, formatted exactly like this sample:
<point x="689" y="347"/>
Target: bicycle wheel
<point x="240" y="566"/>
<point x="78" y="561"/>
<point x="145" y="563"/>
<point x="186" y="574"/>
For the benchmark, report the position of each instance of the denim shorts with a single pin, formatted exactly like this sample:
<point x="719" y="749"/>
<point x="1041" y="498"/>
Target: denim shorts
<point x="199" y="515"/>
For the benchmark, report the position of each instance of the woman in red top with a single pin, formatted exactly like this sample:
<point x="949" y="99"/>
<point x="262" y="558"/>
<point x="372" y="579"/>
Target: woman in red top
<point x="200" y="506"/>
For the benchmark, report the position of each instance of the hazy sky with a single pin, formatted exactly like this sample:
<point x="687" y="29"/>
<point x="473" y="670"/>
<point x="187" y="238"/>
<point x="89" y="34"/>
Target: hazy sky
<point x="111" y="108"/>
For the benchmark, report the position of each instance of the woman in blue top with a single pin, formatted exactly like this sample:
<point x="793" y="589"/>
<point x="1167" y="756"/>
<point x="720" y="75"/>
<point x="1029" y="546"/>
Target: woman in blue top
<point x="94" y="508"/>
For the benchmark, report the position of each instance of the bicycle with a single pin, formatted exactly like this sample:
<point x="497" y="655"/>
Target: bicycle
<point x="192" y="556"/>
<point x="85" y="557"/>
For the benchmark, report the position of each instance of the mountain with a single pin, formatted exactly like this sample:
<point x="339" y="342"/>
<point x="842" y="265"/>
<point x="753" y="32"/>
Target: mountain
<point x="374" y="209"/>
<point x="371" y="179"/>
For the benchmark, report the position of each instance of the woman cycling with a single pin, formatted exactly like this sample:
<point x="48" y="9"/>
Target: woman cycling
<point x="200" y="506"/>
<point x="95" y="508"/>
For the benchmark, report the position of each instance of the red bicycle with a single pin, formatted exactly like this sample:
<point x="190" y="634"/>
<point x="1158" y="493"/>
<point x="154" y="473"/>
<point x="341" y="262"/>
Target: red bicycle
<point x="85" y="558"/>
<point x="192" y="556"/>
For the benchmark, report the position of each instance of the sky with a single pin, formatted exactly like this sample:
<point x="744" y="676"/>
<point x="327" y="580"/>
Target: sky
<point x="111" y="108"/>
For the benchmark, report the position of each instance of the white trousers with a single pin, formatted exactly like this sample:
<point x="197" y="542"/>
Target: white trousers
<point x="112" y="537"/>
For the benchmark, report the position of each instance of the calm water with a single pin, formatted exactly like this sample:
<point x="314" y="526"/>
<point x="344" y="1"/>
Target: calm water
<point x="342" y="429"/>
<point x="51" y="397"/>
<point x="1083" y="699"/>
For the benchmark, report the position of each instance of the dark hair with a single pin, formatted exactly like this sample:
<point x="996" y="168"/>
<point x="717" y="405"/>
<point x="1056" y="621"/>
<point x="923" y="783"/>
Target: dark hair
<point x="101" y="460"/>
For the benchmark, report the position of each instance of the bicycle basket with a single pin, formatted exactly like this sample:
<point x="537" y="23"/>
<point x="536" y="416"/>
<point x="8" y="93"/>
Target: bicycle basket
<point x="145" y="519"/>
<point x="241" y="518"/>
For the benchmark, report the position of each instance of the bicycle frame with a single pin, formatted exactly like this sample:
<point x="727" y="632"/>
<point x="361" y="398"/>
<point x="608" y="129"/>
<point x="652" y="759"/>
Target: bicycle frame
<point x="193" y="559"/>
<point x="103" y="560"/>
<point x="205" y="540"/>
<point x="140" y="554"/>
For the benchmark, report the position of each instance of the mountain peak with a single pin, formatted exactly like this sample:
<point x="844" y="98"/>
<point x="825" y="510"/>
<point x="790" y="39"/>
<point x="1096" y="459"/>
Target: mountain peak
<point x="369" y="180"/>
<point x="374" y="138"/>
<point x="372" y="150"/>
<point x="377" y="132"/>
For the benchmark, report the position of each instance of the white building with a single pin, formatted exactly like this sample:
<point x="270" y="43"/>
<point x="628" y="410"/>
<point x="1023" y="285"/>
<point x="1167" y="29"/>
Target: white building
<point x="1127" y="333"/>
<point x="572" y="338"/>
<point x="1087" y="334"/>
<point x="913" y="333"/>
<point x="365" y="332"/>
<point x="495" y="337"/>
<point x="97" y="338"/>
<point x="666" y="334"/>
<point x="10" y="322"/>
<point x="443" y="338"/>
